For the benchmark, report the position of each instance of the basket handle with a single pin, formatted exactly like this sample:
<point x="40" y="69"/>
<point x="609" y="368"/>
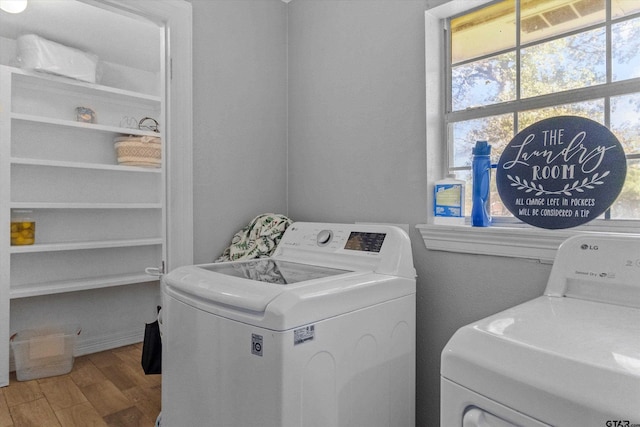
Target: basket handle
<point x="152" y="127"/>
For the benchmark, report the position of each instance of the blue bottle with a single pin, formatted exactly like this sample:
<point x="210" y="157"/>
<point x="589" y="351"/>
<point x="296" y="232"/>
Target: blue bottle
<point x="481" y="168"/>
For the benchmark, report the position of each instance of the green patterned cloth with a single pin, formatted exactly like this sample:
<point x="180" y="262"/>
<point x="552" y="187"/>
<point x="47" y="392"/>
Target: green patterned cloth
<point x="258" y="239"/>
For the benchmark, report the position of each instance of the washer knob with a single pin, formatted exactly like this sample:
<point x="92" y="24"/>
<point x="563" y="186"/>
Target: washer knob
<point x="324" y="237"/>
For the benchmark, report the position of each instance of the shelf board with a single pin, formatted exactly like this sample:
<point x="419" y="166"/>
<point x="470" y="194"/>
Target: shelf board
<point x="64" y="205"/>
<point x="65" y="83"/>
<point x="82" y="125"/>
<point x="75" y="246"/>
<point x="82" y="165"/>
<point x="37" y="289"/>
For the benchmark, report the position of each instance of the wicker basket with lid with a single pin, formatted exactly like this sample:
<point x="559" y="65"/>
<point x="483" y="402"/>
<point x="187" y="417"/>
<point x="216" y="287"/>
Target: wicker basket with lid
<point x="139" y="151"/>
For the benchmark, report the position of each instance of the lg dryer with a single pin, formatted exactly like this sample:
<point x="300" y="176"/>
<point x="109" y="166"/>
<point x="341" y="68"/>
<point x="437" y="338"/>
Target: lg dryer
<point x="320" y="334"/>
<point x="568" y="358"/>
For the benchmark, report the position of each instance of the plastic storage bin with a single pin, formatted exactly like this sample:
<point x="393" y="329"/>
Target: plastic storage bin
<point x="44" y="352"/>
<point x="37" y="53"/>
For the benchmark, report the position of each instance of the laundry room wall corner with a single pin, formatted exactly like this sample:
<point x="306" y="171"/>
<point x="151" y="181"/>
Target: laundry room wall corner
<point x="239" y="132"/>
<point x="357" y="152"/>
<point x="352" y="76"/>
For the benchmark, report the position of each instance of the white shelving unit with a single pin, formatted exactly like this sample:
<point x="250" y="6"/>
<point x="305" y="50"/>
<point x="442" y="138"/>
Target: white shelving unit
<point x="98" y="224"/>
<point x="86" y="206"/>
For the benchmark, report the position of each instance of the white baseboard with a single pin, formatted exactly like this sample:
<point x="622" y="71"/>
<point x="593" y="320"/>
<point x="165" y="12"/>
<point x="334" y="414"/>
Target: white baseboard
<point x="108" y="342"/>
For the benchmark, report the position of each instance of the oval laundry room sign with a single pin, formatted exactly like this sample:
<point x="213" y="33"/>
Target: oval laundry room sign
<point x="561" y="172"/>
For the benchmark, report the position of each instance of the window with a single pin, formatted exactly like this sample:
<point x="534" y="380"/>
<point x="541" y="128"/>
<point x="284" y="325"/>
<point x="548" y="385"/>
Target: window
<point x="514" y="62"/>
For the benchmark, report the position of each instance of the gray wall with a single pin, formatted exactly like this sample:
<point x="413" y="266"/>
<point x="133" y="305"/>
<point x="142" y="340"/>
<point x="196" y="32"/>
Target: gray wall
<point x="357" y="152"/>
<point x="356" y="145"/>
<point x="239" y="119"/>
<point x="356" y="111"/>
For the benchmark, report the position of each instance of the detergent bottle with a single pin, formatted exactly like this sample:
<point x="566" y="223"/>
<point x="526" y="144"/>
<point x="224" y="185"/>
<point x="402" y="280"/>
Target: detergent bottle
<point x="481" y="170"/>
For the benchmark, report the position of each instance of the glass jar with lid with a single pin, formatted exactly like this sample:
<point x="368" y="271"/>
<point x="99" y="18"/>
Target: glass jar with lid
<point x="23" y="228"/>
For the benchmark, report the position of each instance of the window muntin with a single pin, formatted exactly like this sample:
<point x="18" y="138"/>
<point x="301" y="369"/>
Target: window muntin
<point x="587" y="66"/>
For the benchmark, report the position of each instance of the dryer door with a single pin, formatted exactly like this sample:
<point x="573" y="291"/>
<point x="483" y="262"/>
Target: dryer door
<point x="476" y="417"/>
<point x="463" y="407"/>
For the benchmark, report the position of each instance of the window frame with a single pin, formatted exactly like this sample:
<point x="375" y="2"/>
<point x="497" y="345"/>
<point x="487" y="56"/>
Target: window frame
<point x="507" y="236"/>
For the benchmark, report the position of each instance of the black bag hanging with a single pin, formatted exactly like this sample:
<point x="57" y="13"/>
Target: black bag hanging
<point x="152" y="347"/>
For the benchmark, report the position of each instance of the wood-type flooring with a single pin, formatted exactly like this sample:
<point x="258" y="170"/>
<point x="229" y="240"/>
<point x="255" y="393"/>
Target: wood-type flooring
<point x="103" y="389"/>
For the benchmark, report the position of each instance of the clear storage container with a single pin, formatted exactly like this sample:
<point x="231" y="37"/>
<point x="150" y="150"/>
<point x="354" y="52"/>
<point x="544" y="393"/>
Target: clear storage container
<point x="40" y="54"/>
<point x="44" y="352"/>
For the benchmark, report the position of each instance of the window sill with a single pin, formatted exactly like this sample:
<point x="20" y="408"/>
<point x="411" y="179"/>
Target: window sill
<point x="513" y="240"/>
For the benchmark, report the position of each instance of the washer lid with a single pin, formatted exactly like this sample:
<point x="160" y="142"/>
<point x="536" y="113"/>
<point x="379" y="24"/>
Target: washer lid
<point x="560" y="360"/>
<point x="327" y="292"/>
<point x="273" y="271"/>
<point x="242" y="285"/>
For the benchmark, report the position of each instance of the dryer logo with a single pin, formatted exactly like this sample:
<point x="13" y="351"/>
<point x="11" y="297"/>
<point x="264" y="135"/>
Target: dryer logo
<point x="586" y="247"/>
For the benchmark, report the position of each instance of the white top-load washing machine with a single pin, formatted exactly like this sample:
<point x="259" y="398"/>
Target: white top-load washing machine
<point x="568" y="358"/>
<point x="320" y="334"/>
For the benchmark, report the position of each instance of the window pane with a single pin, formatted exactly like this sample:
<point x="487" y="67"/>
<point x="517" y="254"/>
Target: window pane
<point x="567" y="63"/>
<point x="484" y="82"/>
<point x="564" y="47"/>
<point x="466" y="176"/>
<point x="627" y="205"/>
<point x="626" y="49"/>
<point x="483" y="32"/>
<point x="498" y="130"/>
<point x="497" y="207"/>
<point x="540" y="19"/>
<point x="625" y="125"/>
<point x="624" y="7"/>
<point x="593" y="110"/>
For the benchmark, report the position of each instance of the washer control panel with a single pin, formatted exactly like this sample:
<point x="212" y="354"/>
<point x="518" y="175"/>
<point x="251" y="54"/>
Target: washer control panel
<point x="356" y="241"/>
<point x="603" y="268"/>
<point x="377" y="247"/>
<point x="365" y="241"/>
<point x="335" y="238"/>
<point x="324" y="237"/>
